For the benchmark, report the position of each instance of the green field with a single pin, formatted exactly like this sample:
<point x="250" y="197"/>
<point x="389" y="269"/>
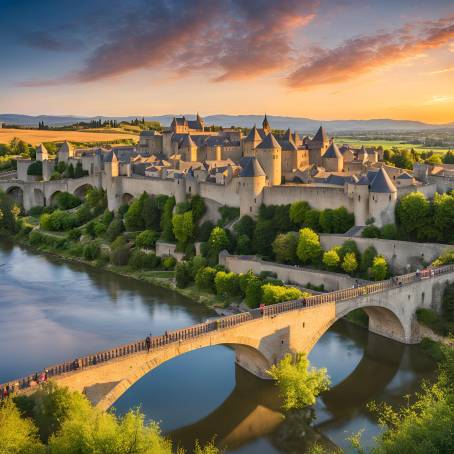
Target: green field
<point x="386" y="144"/>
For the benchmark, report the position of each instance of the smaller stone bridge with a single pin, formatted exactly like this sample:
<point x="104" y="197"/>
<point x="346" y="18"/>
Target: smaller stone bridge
<point x="42" y="193"/>
<point x="259" y="339"/>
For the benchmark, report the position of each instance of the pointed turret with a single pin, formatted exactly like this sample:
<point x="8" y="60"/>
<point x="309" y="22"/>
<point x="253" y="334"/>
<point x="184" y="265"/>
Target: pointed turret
<point x="251" y="168"/>
<point x="333" y="152"/>
<point x="320" y="136"/>
<point x="266" y="125"/>
<point x="382" y="183"/>
<point x="270" y="143"/>
<point x="253" y="135"/>
<point x="41" y="153"/>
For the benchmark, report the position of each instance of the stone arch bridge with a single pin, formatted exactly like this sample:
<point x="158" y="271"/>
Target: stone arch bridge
<point x="259" y="340"/>
<point x="41" y="193"/>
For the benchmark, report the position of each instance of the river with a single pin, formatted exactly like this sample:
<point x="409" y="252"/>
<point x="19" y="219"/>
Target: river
<point x="52" y="310"/>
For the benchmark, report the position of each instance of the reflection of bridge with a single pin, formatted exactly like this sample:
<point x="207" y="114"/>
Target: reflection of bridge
<point x="253" y="408"/>
<point x="42" y="193"/>
<point x="259" y="341"/>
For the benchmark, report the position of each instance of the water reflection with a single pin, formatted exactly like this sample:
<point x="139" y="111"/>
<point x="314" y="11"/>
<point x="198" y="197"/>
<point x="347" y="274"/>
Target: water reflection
<point x="53" y="310"/>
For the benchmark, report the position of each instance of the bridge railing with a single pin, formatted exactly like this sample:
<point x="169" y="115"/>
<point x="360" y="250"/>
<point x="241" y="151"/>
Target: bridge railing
<point x="200" y="329"/>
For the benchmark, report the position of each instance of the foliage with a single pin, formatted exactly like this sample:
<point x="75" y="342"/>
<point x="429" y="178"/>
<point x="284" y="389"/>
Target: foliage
<point x="243" y="245"/>
<point x="197" y="263"/>
<point x="204" y="231"/>
<point x="331" y="259"/>
<point x="35" y="168"/>
<point x="198" y="208"/>
<point x="284" y="247"/>
<point x="254" y="292"/>
<point x="133" y="218"/>
<point x="166" y="220"/>
<point x="298" y="211"/>
<point x="183" y="227"/>
<point x="151" y="213"/>
<point x="204" y="278"/>
<point x="245" y="226"/>
<point x="227" y="284"/>
<point x="140" y="260"/>
<point x="96" y="200"/>
<point x="119" y="256"/>
<point x="115" y="228"/>
<point x="273" y="294"/>
<point x="379" y="269"/>
<point x="228" y="214"/>
<point x="146" y="239"/>
<point x="448" y="303"/>
<point x="349" y="246"/>
<point x="264" y="235"/>
<point x="58" y="221"/>
<point x="371" y="231"/>
<point x="445" y="259"/>
<point x="8" y="215"/>
<point x="413" y="213"/>
<point x="299" y="384"/>
<point x="91" y="251"/>
<point x="18" y="435"/>
<point x="169" y="262"/>
<point x="349" y="263"/>
<point x="183" y="274"/>
<point x="218" y="241"/>
<point x="443" y="216"/>
<point x="66" y="201"/>
<point x="308" y="249"/>
<point x="367" y="259"/>
<point x="388" y="232"/>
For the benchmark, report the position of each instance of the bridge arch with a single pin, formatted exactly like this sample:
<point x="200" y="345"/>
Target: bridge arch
<point x="82" y="190"/>
<point x="16" y="194"/>
<point x="53" y="198"/>
<point x="248" y="356"/>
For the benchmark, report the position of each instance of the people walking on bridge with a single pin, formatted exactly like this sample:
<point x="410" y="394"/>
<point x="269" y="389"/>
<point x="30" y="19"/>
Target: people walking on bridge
<point x="262" y="309"/>
<point x="148" y="343"/>
<point x="418" y="273"/>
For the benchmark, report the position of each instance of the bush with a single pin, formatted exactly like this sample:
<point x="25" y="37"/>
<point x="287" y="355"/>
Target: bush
<point x="169" y="263"/>
<point x="445" y="259"/>
<point x="273" y="294"/>
<point x="197" y="263"/>
<point x="331" y="259"/>
<point x="66" y="201"/>
<point x="120" y="255"/>
<point x="35" y="169"/>
<point x="74" y="234"/>
<point x="166" y="220"/>
<point x="205" y="231"/>
<point x="183" y="274"/>
<point x="243" y="245"/>
<point x="218" y="241"/>
<point x="388" y="232"/>
<point x="99" y="228"/>
<point x="371" y="231"/>
<point x="57" y="221"/>
<point x="228" y="214"/>
<point x="367" y="259"/>
<point x="147" y="239"/>
<point x="254" y="292"/>
<point x="115" y="228"/>
<point x="448" y="303"/>
<point x="284" y="247"/>
<point x="245" y="226"/>
<point x="198" y="208"/>
<point x="379" y="270"/>
<point x="349" y="264"/>
<point x="107" y="217"/>
<point x="227" y="284"/>
<point x="308" y="249"/>
<point x="91" y="251"/>
<point x="204" y="279"/>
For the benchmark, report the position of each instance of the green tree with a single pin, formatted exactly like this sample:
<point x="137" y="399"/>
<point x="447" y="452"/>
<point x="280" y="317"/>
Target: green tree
<point x="299" y="384"/>
<point x="264" y="235"/>
<point x="413" y="214"/>
<point x="254" y="292"/>
<point x="166" y="220"/>
<point x="328" y="221"/>
<point x="448" y="157"/>
<point x="298" y="212"/>
<point x="18" y="435"/>
<point x="78" y="171"/>
<point x="349" y="263"/>
<point x="218" y="240"/>
<point x="331" y="259"/>
<point x="243" y="245"/>
<point x="312" y="220"/>
<point x="204" y="231"/>
<point x="146" y="239"/>
<point x="227" y="284"/>
<point x="245" y="226"/>
<point x="308" y="249"/>
<point x="151" y="213"/>
<point x="183" y="227"/>
<point x="273" y="294"/>
<point x="443" y="218"/>
<point x="69" y="173"/>
<point x="367" y="259"/>
<point x="284" y="247"/>
<point x="434" y="160"/>
<point x="388" y="232"/>
<point x="66" y="201"/>
<point x="371" y="231"/>
<point x="198" y="208"/>
<point x="183" y="274"/>
<point x="133" y="218"/>
<point x="115" y="228"/>
<point x="379" y="270"/>
<point x="204" y="279"/>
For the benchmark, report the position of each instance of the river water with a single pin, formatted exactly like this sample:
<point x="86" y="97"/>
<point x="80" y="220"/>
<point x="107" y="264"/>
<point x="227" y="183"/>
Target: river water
<point x="51" y="310"/>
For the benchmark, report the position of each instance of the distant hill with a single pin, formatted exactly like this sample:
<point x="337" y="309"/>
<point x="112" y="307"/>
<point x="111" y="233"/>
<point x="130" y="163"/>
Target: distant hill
<point x="303" y="125"/>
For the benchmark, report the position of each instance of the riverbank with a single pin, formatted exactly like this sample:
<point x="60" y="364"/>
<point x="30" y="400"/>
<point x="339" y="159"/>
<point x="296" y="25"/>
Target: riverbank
<point x="159" y="278"/>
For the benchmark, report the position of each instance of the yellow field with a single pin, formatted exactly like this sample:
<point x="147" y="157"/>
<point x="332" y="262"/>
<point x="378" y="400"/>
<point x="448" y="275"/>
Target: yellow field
<point x="36" y="136"/>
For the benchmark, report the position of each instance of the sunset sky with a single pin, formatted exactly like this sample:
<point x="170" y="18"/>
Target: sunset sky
<point x="348" y="59"/>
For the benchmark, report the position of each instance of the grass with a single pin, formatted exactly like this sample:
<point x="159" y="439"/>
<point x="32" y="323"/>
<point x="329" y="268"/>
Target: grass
<point x="387" y="144"/>
<point x="37" y="136"/>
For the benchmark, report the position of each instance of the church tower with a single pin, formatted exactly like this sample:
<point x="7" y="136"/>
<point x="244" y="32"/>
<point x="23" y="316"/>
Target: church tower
<point x="266" y="126"/>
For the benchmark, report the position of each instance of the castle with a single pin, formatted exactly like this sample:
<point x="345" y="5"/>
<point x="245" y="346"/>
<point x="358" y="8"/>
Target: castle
<point x="227" y="167"/>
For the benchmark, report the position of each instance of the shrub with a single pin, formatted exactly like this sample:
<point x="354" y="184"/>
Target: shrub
<point x="204" y="278"/>
<point x="57" y="221"/>
<point x="379" y="270"/>
<point x="35" y="168"/>
<point x="371" y="231"/>
<point x="83" y="214"/>
<point x="243" y="245"/>
<point x="107" y="217"/>
<point x="350" y="264"/>
<point x="264" y="235"/>
<point x="66" y="201"/>
<point x="183" y="274"/>
<point x="183" y="227"/>
<point x="448" y="303"/>
<point x="331" y="259"/>
<point x="147" y="239"/>
<point x="74" y="234"/>
<point x="308" y="249"/>
<point x="349" y="246"/>
<point x="169" y="263"/>
<point x="298" y="211"/>
<point x="205" y="231"/>
<point x="198" y="208"/>
<point x="284" y="247"/>
<point x="254" y="292"/>
<point x="273" y="294"/>
<point x="115" y="228"/>
<point x="91" y="251"/>
<point x="367" y="259"/>
<point x="151" y="261"/>
<point x="99" y="228"/>
<point x="389" y="232"/>
<point x="218" y="241"/>
<point x="120" y="255"/>
<point x="228" y="214"/>
<point x="245" y="226"/>
<point x="197" y="263"/>
<point x="227" y="284"/>
<point x="166" y="220"/>
<point x="444" y="259"/>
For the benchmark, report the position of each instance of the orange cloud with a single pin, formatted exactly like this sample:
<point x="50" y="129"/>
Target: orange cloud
<point x="367" y="53"/>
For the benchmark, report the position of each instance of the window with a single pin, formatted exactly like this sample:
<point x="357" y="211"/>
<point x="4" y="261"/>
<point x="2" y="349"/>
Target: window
<point x="190" y="189"/>
<point x="390" y="197"/>
<point x="250" y="209"/>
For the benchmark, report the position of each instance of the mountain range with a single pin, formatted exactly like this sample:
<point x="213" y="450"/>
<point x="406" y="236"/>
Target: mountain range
<point x="303" y="125"/>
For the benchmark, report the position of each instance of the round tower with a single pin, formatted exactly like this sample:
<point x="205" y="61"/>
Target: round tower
<point x="179" y="188"/>
<point x="361" y="201"/>
<point x="252" y="180"/>
<point x="269" y="154"/>
<point x="382" y="198"/>
<point x="251" y="142"/>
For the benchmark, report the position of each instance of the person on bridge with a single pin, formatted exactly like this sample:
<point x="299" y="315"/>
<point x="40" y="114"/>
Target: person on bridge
<point x="262" y="309"/>
<point x="148" y="343"/>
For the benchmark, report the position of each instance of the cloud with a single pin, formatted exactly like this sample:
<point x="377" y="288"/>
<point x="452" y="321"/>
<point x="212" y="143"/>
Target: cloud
<point x="439" y="99"/>
<point x="41" y="39"/>
<point x="234" y="39"/>
<point x="440" y="71"/>
<point x="363" y="54"/>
